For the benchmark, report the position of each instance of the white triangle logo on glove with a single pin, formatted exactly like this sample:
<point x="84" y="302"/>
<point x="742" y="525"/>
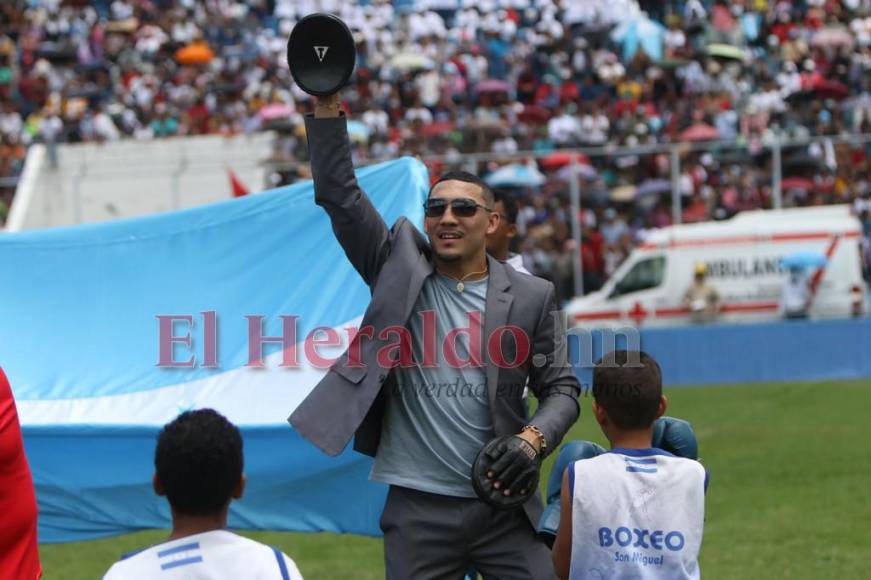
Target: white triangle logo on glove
<point x="321" y="51"/>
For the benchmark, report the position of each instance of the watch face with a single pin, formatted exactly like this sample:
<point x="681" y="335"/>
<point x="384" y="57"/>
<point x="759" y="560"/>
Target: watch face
<point x="321" y="54"/>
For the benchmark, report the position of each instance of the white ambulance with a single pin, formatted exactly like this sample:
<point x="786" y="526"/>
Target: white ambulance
<point x="742" y="257"/>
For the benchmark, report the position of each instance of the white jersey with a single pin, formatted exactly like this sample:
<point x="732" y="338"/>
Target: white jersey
<point x="636" y="514"/>
<point x="214" y="555"/>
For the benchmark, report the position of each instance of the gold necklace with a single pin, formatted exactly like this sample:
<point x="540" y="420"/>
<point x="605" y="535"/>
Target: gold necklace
<point x="460" y="285"/>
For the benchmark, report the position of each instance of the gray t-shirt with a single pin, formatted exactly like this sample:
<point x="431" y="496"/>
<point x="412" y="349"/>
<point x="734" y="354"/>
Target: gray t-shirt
<point x="437" y="419"/>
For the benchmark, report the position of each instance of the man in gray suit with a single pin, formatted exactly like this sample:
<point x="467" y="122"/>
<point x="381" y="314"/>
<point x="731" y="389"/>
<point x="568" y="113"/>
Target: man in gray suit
<point x="425" y="416"/>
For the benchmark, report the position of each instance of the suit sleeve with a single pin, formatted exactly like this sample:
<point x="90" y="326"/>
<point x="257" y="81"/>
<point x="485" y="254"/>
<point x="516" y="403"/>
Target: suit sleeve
<point x="358" y="226"/>
<point x="553" y="380"/>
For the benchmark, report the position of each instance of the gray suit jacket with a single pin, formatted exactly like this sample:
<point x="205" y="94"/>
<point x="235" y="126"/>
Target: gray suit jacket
<point x="394" y="263"/>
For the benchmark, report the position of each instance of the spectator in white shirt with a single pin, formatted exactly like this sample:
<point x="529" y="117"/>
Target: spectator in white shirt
<point x="564" y="129"/>
<point x="418" y="113"/>
<point x="594" y="128"/>
<point x="376" y="120"/>
<point x="795" y="297"/>
<point x="504" y="144"/>
<point x="613" y="228"/>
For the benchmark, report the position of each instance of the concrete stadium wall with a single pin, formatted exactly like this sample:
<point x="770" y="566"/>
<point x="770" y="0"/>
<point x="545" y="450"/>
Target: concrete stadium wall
<point x="93" y="182"/>
<point x="745" y="353"/>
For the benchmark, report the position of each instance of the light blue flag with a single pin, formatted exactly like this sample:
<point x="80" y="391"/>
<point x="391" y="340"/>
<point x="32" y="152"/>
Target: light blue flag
<point x="80" y="339"/>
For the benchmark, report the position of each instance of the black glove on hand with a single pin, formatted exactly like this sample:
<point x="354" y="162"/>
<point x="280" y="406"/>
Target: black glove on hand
<point x="513" y="464"/>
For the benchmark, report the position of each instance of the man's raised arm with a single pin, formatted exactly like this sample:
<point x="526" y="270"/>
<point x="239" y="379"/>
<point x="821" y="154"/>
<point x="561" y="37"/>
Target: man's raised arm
<point x="358" y="226"/>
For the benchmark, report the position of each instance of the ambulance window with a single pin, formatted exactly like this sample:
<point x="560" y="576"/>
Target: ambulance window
<point x="644" y="275"/>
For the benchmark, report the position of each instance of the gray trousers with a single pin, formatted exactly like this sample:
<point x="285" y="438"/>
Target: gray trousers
<point x="437" y="537"/>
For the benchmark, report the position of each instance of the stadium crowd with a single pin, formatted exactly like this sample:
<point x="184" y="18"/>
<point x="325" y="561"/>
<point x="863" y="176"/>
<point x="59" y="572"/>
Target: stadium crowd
<point x="444" y="78"/>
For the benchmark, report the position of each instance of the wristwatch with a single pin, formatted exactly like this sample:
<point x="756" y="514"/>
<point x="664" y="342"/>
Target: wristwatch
<point x="542" y="442"/>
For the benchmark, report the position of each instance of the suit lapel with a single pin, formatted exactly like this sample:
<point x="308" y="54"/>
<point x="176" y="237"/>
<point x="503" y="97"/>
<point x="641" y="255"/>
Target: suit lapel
<point x="498" y="305"/>
<point x="419" y="273"/>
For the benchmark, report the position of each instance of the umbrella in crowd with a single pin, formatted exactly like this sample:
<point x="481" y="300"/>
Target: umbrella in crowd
<point x="623" y="193"/>
<point x="559" y="159"/>
<point x="700" y="132"/>
<point x="358" y="132"/>
<point x="824" y="89"/>
<point x="196" y="53"/>
<point x="640" y="33"/>
<point x="276" y="111"/>
<point x="833" y="36"/>
<point x="533" y="114"/>
<point x="831" y="90"/>
<point x="516" y="175"/>
<point x="126" y="26"/>
<point x="582" y="170"/>
<point x="492" y="86"/>
<point x="653" y="187"/>
<point x="726" y="51"/>
<point x="673" y="63"/>
<point x="408" y="61"/>
<point x="804" y="259"/>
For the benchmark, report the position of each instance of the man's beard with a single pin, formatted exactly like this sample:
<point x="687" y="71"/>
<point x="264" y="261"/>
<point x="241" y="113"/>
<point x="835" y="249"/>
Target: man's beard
<point x="449" y="257"/>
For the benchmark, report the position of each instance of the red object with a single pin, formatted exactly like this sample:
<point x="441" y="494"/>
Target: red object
<point x="825" y="89"/>
<point x="492" y="86"/>
<point x="781" y="30"/>
<point x="19" y="553"/>
<point x="236" y="185"/>
<point x="559" y="159"/>
<point x="638" y="313"/>
<point x="435" y="169"/>
<point x="700" y="132"/>
<point x="592" y="257"/>
<point x="199" y="118"/>
<point x="625" y="106"/>
<point x="436" y="129"/>
<point x="696" y="212"/>
<point x="568" y="93"/>
<point x="542" y="92"/>
<point x="818" y="275"/>
<point x="534" y="115"/>
<point x="797" y="183"/>
<point x="722" y="19"/>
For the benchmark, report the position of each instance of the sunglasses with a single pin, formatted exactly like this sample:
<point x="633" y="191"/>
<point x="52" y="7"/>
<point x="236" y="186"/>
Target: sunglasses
<point x="461" y="207"/>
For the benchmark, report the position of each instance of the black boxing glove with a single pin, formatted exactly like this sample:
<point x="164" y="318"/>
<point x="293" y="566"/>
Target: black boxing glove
<point x="512" y="463"/>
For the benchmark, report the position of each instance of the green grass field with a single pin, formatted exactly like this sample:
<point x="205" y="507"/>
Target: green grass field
<point x="790" y="480"/>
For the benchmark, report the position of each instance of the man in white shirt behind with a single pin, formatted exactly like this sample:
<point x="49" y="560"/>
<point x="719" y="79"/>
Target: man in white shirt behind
<point x="198" y="467"/>
<point x="499" y="242"/>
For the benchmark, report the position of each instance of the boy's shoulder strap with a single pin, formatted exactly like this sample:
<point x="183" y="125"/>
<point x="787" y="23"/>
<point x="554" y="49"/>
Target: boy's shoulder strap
<point x="282" y="565"/>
